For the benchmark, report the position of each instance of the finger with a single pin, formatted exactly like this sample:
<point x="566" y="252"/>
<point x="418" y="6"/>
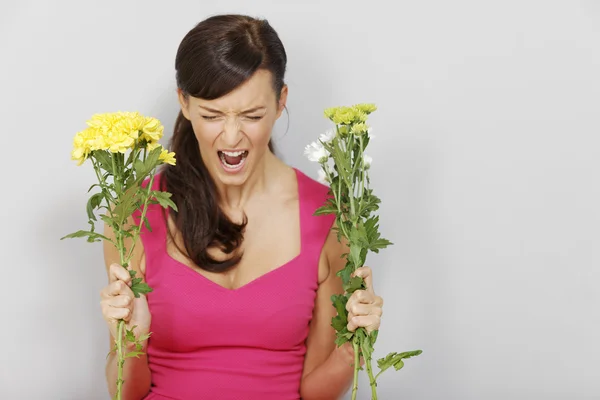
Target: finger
<point x="120" y="301"/>
<point x="113" y="314"/>
<point x="366" y="274"/>
<point x="118" y="288"/>
<point x="362" y="296"/>
<point x="120" y="313"/>
<point x="358" y="309"/>
<point x="369" y="322"/>
<point x="117" y="272"/>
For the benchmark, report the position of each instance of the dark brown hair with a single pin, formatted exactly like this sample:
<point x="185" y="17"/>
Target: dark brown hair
<point x="213" y="59"/>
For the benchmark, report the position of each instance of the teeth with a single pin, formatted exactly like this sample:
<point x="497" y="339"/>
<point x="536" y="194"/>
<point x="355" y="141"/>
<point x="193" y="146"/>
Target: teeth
<point x="233" y="153"/>
<point x="232" y="166"/>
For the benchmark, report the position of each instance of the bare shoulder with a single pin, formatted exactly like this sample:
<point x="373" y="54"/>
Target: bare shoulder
<point x="111" y="254"/>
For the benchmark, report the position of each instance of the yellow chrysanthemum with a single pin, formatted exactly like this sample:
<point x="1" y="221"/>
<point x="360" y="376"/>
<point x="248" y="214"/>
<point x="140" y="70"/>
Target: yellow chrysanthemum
<point x="347" y="115"/>
<point x="116" y="132"/>
<point x="83" y="143"/>
<point x="343" y="130"/>
<point x="152" y="129"/>
<point x="152" y="145"/>
<point x="167" y="157"/>
<point x="359" y="129"/>
<point x="367" y="108"/>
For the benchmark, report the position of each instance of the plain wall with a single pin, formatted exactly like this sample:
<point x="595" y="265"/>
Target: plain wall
<point x="485" y="158"/>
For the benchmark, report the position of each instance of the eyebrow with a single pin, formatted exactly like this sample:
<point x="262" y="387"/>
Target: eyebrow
<point x="248" y="111"/>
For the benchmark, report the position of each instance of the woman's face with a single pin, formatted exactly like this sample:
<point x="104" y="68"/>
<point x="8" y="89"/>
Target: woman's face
<point x="233" y="131"/>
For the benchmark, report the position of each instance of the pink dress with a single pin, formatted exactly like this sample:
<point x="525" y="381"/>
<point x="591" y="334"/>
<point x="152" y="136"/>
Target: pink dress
<point x="213" y="343"/>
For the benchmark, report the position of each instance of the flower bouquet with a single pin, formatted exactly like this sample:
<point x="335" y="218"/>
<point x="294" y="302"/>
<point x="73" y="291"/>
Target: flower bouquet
<point x="345" y="167"/>
<point x="123" y="148"/>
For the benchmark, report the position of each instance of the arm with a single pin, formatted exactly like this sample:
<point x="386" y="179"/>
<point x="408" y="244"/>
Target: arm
<point x="136" y="372"/>
<point x="328" y="369"/>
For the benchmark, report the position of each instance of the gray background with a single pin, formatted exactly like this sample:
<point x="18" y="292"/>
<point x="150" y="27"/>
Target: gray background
<point x="485" y="157"/>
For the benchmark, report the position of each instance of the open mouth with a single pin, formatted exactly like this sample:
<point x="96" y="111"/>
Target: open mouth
<point x="233" y="160"/>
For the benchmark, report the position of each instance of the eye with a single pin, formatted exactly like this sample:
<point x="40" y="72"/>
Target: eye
<point x="209" y="117"/>
<point x="254" y="117"/>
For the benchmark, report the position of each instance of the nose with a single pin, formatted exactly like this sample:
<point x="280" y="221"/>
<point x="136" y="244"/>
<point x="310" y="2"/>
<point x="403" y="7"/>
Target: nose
<point x="232" y="132"/>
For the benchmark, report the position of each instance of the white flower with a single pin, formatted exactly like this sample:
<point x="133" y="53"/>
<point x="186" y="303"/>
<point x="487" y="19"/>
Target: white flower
<point x="327" y="136"/>
<point x="316" y="152"/>
<point x="367" y="161"/>
<point x="370" y="133"/>
<point x="322" y="176"/>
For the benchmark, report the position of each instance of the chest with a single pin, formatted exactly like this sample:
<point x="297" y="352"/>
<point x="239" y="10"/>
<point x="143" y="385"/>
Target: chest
<point x="272" y="239"/>
<point x="191" y="313"/>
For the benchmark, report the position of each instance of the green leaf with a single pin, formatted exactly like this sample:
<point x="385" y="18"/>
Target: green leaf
<point x="339" y="302"/>
<point x="374" y="335"/>
<point x="328" y="208"/>
<point x="106" y="218"/>
<point x="164" y="199"/>
<point x="345" y="274"/>
<point x="138" y="167"/>
<point x="365" y="343"/>
<point x="129" y="335"/>
<point x="144" y="169"/>
<point x="338" y="323"/>
<point x="356" y="283"/>
<point x="138" y="288"/>
<point x="91" y="236"/>
<point x="126" y="204"/>
<point x="343" y="336"/>
<point x="144" y="337"/>
<point x="379" y="244"/>
<point x="93" y="203"/>
<point x="104" y="159"/>
<point x="147" y="224"/>
<point x="355" y="251"/>
<point x="396" y="360"/>
<point x="133" y="354"/>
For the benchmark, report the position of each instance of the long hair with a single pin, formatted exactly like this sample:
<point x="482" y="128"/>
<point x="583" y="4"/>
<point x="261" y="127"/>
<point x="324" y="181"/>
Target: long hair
<point x="214" y="58"/>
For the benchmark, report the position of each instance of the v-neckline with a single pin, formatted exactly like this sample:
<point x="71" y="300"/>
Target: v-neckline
<point x="267" y="274"/>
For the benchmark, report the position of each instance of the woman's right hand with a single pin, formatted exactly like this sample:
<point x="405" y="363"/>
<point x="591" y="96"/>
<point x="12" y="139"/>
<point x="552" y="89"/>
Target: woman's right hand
<point x="118" y="302"/>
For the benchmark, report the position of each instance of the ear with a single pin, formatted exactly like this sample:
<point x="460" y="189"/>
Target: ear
<point x="282" y="100"/>
<point x="183" y="103"/>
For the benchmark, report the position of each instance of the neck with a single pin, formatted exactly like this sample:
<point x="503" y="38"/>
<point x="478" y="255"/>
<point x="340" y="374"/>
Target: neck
<point x="236" y="197"/>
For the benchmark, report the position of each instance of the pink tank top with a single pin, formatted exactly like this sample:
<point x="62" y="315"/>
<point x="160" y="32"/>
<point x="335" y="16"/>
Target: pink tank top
<point x="213" y="343"/>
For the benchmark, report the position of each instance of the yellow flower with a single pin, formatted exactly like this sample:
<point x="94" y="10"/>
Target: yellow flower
<point x="82" y="145"/>
<point x="152" y="145"/>
<point x="367" y="108"/>
<point x="152" y="129"/>
<point x="343" y="130"/>
<point x="167" y="157"/>
<point x="359" y="129"/>
<point x="116" y="132"/>
<point x="119" y="142"/>
<point x="347" y="115"/>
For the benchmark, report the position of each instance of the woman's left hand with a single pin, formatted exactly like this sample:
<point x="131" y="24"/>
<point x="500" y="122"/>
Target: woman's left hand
<point x="364" y="306"/>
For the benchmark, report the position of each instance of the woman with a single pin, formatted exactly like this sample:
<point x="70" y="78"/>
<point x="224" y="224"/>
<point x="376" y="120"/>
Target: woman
<point x="231" y="318"/>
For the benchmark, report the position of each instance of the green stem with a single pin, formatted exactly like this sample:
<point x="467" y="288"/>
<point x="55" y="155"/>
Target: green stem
<point x="372" y="379"/>
<point x="115" y="174"/>
<point x="120" y="359"/>
<point x="362" y="168"/>
<point x="356" y="367"/>
<point x="143" y="216"/>
<point x="350" y="182"/>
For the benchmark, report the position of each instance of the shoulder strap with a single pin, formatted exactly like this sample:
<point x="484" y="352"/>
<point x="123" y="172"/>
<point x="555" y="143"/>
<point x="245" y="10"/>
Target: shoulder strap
<point x="315" y="229"/>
